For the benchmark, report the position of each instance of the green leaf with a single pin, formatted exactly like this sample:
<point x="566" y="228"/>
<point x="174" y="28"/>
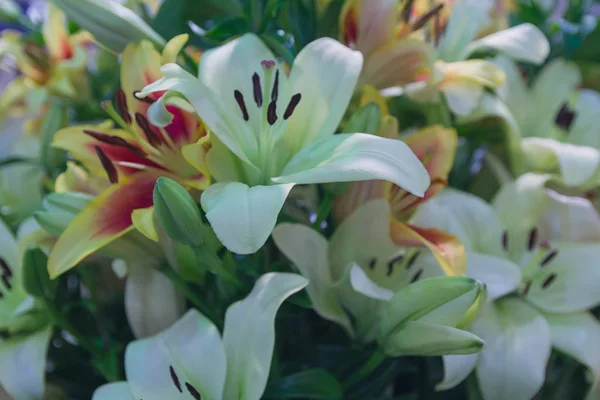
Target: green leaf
<point x="366" y="119"/>
<point x="589" y="49"/>
<point x="55" y="119"/>
<point x="310" y="384"/>
<point x="277" y="47"/>
<point x="228" y="28"/>
<point x="35" y="275"/>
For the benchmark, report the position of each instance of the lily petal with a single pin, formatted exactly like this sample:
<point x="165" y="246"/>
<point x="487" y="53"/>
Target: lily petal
<point x="567" y="282"/>
<point x="357" y="157"/>
<point x="367" y="25"/>
<point x="23" y="366"/>
<point x="570" y="219"/>
<point x="325" y="73"/>
<point x="243" y="217"/>
<point x="249" y="334"/>
<point x="462" y="215"/>
<point x="550" y="91"/>
<point x="230" y="67"/>
<point x="113" y="391"/>
<point x="446" y="248"/>
<point x="578" y="335"/>
<point x="577" y="164"/>
<point x="230" y="129"/>
<point x="584" y="131"/>
<point x="398" y="63"/>
<point x="523" y="42"/>
<point x="467" y="19"/>
<point x="122" y="154"/>
<point x="456" y="370"/>
<point x="512" y="364"/>
<point x="106" y="218"/>
<point x="147" y="313"/>
<point x="500" y="275"/>
<point x="189" y="356"/>
<point x="56" y="36"/>
<point x="308" y="250"/>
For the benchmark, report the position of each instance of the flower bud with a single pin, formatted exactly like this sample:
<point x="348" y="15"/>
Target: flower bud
<point x="422" y="318"/>
<point x="113" y="25"/>
<point x="59" y="209"/>
<point x="36" y="280"/>
<point x="178" y="213"/>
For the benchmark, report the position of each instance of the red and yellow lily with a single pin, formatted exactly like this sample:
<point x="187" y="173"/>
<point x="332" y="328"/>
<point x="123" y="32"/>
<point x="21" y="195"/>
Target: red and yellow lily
<point x="435" y="146"/>
<point x="124" y="162"/>
<point x="55" y="69"/>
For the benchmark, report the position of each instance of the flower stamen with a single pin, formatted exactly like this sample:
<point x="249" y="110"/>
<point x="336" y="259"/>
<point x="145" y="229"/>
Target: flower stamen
<point x="115" y="141"/>
<point x="257" y="90"/>
<point x="275" y="91"/>
<point x="294" y="101"/>
<point x="121" y="102"/>
<point x="150" y="134"/>
<point x="549" y="258"/>
<point x="533" y="233"/>
<point x="239" y="98"/>
<point x="175" y="379"/>
<point x="272" y="113"/>
<point x="109" y="167"/>
<point x="549" y="280"/>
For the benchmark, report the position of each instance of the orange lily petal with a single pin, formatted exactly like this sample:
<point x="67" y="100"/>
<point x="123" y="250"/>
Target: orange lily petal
<point x="446" y="248"/>
<point x="435" y="146"/>
<point x="106" y="218"/>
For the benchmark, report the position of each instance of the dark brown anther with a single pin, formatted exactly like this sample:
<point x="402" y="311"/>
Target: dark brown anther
<point x="419" y="23"/>
<point x="565" y="117"/>
<point x="239" y="98"/>
<point x="505" y="240"/>
<point x="193" y="391"/>
<point x="121" y="101"/>
<point x="175" y="379"/>
<point x="272" y="113"/>
<point x="146" y="99"/>
<point x="275" y="91"/>
<point x="412" y="260"/>
<point x="115" y="141"/>
<point x="151" y="136"/>
<point x="549" y="258"/>
<point x="417" y="276"/>
<point x="258" y="99"/>
<point x="372" y="263"/>
<point x="407" y="11"/>
<point x="5" y="268"/>
<point x="6" y="280"/>
<point x="292" y="105"/>
<point x="393" y="262"/>
<point x="109" y="167"/>
<point x="549" y="281"/>
<point x="526" y="288"/>
<point x="533" y="234"/>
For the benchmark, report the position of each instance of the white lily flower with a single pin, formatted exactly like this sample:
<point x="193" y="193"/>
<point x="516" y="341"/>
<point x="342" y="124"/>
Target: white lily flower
<point x="365" y="282"/>
<point x="270" y="131"/>
<point x="527" y="245"/>
<point x="461" y="80"/>
<point x="191" y="360"/>
<point x="552" y="126"/>
<point x="23" y="353"/>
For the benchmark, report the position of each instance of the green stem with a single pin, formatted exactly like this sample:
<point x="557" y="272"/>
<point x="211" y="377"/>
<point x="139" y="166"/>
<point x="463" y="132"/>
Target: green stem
<point x="372" y="364"/>
<point x="439" y="113"/>
<point x="60" y="320"/>
<point x="191" y="64"/>
<point x="190" y="294"/>
<point x="324" y="210"/>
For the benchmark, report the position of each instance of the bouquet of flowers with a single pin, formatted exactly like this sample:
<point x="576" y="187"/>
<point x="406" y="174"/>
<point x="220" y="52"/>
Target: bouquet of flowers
<point x="299" y="199"/>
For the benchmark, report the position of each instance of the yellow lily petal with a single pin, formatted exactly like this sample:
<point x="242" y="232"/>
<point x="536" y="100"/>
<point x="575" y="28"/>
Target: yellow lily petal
<point x="143" y="221"/>
<point x="372" y="95"/>
<point x="56" y="36"/>
<point x="106" y="218"/>
<point x="173" y="47"/>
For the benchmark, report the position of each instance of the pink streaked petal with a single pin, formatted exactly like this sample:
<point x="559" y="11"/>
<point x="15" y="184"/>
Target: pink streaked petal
<point x="104" y="219"/>
<point x="446" y="248"/>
